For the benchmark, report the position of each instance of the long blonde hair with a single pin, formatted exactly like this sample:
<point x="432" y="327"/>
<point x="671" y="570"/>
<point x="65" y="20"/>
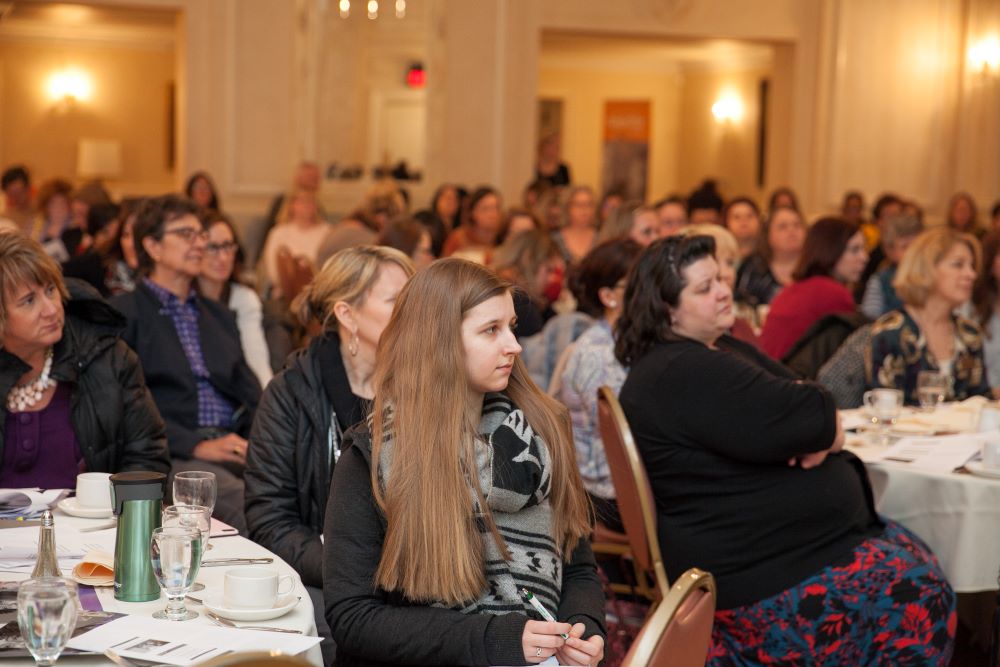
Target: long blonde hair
<point x="433" y="549"/>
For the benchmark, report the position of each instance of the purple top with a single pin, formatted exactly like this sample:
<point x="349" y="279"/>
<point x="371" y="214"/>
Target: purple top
<point x="27" y="434"/>
<point x="213" y="408"/>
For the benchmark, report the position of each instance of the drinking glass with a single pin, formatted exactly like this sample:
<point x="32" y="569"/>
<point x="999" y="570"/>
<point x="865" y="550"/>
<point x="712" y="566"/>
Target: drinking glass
<point x="195" y="488"/>
<point x="191" y="516"/>
<point x="884" y="406"/>
<point x="932" y="388"/>
<point x="46" y="614"/>
<point x="175" y="552"/>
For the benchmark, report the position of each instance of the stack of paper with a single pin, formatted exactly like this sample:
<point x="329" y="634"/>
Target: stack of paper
<point x="28" y="503"/>
<point x="939" y="454"/>
<point x="19" y="549"/>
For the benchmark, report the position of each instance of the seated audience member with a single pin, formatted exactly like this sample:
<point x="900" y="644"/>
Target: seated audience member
<point x="446" y="500"/>
<point x="845" y="373"/>
<point x="549" y="167"/>
<point x="307" y="177"/>
<point x="672" y="212"/>
<point x="532" y="193"/>
<point x="986" y="302"/>
<point x="533" y="263"/>
<point x="897" y="235"/>
<point x="704" y="204"/>
<point x="518" y="220"/>
<point x="610" y="202"/>
<point x="833" y="257"/>
<point x="200" y="188"/>
<point x="935" y="277"/>
<point x="549" y="210"/>
<point x="578" y="232"/>
<point x="726" y="254"/>
<point x="94" y="265"/>
<point x="634" y="221"/>
<point x="75" y="400"/>
<point x="298" y="432"/>
<point x="442" y="216"/>
<point x="963" y="215"/>
<point x="410" y="238"/>
<point x="852" y="210"/>
<point x="220" y="265"/>
<point x="763" y="274"/>
<point x="995" y="217"/>
<point x="122" y="258"/>
<point x="190" y="351"/>
<point x="783" y="197"/>
<point x="300" y="230"/>
<point x="16" y="185"/>
<point x="742" y="217"/>
<point x="747" y="468"/>
<point x="886" y="206"/>
<point x="55" y="228"/>
<point x="599" y="284"/>
<point x="476" y="238"/>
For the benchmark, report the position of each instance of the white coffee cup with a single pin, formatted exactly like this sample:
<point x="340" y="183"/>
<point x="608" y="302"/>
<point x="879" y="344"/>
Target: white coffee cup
<point x="93" y="490"/>
<point x="254" y="588"/>
<point x="991" y="453"/>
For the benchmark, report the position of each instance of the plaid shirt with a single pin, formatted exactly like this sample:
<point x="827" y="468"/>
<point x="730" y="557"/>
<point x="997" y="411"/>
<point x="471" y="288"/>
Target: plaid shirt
<point x="213" y="408"/>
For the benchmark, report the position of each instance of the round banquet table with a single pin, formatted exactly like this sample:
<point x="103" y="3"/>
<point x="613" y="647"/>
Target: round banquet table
<point x="956" y="513"/>
<point x="299" y="618"/>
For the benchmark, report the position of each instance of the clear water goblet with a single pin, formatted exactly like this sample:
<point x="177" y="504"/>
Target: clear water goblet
<point x="191" y="516"/>
<point x="175" y="552"/>
<point x="884" y="406"/>
<point x="195" y="487"/>
<point x="932" y="388"/>
<point x="46" y="615"/>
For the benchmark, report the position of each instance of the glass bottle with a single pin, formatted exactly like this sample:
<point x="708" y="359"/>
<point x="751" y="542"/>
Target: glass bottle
<point x="47" y="564"/>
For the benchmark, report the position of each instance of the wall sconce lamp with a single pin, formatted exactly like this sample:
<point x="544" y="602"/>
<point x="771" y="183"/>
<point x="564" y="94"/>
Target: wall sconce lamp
<point x="728" y="109"/>
<point x="69" y="87"/>
<point x="984" y="55"/>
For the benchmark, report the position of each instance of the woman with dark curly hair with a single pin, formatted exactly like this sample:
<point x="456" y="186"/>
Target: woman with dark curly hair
<point x="751" y="483"/>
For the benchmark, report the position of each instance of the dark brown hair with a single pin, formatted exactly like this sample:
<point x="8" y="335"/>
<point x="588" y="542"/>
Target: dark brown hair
<point x="604" y="266"/>
<point x="825" y="243"/>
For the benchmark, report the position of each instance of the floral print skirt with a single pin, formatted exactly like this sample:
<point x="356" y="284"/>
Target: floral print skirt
<point x="891" y="605"/>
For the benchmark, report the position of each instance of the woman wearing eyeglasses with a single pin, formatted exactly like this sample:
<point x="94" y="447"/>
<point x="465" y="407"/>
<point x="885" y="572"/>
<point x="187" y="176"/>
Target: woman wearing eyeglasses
<point x="218" y="281"/>
<point x="190" y="351"/>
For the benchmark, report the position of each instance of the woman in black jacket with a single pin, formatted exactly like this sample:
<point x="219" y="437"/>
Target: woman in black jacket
<point x="297" y="434"/>
<point x="458" y="493"/>
<point x="75" y="399"/>
<point x="750" y="482"/>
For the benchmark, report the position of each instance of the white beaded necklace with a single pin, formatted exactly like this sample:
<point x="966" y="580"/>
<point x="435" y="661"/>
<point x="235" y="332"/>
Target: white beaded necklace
<point x="27" y="395"/>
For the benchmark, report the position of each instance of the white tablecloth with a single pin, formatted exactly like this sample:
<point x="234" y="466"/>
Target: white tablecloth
<point x="300" y="618"/>
<point x="957" y="514"/>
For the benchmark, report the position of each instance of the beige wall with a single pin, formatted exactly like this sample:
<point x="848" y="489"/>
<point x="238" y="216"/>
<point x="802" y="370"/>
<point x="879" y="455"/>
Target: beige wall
<point x="128" y="104"/>
<point x="584" y="93"/>
<point x="725" y="151"/>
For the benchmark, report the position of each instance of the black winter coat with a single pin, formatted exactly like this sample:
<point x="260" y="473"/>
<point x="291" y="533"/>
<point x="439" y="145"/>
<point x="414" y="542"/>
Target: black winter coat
<point x="153" y="336"/>
<point x="113" y="414"/>
<point x="290" y="458"/>
<point x="391" y="630"/>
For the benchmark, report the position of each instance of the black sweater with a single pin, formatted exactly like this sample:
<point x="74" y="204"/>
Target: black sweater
<point x="716" y="429"/>
<point x="372" y="627"/>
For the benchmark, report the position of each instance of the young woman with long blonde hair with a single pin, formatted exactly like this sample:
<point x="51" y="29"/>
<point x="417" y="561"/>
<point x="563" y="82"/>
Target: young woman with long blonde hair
<point x="460" y="490"/>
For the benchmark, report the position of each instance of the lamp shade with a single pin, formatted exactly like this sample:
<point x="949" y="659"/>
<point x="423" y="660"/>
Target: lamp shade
<point x="99" y="158"/>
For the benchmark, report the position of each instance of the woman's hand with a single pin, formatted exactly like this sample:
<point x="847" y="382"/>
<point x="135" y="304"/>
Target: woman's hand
<point x="229" y="447"/>
<point x="578" y="651"/>
<point x="541" y="639"/>
<point x="814" y="459"/>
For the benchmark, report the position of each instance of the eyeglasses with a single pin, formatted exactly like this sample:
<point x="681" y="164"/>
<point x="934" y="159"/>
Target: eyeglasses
<point x="227" y="248"/>
<point x="188" y="234"/>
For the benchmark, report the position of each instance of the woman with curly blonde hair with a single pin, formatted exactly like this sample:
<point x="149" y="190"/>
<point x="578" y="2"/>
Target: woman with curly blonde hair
<point x="935" y="277"/>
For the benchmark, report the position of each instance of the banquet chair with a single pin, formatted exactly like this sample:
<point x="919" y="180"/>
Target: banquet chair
<point x="294" y="273"/>
<point x="679" y="631"/>
<point x="634" y="495"/>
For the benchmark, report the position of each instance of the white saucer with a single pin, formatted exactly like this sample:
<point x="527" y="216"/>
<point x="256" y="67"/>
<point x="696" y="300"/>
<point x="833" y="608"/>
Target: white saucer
<point x="70" y="506"/>
<point x="283" y="605"/>
<point x="978" y="468"/>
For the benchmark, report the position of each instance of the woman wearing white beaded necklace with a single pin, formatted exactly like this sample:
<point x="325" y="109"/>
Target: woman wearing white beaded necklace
<point x="74" y="398"/>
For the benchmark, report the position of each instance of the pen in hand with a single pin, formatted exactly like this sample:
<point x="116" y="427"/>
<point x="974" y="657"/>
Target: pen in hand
<point x="533" y="601"/>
